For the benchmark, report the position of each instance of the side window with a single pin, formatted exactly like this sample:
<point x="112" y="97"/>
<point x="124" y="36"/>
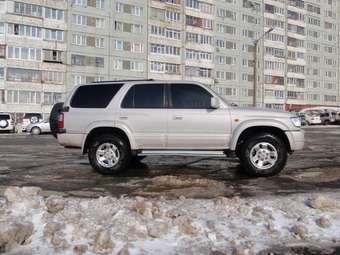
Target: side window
<point x="94" y="96"/>
<point x="190" y="96"/>
<point x="144" y="96"/>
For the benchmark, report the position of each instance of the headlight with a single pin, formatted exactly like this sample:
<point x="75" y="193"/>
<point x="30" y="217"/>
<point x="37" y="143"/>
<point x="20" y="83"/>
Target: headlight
<point x="296" y="121"/>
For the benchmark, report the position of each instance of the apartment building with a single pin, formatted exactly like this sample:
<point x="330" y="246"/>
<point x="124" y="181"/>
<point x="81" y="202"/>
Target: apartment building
<point x="32" y="55"/>
<point x="48" y="47"/>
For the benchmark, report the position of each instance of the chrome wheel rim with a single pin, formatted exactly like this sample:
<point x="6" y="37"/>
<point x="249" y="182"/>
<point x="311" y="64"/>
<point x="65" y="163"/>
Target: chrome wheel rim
<point x="263" y="156"/>
<point x="107" y="155"/>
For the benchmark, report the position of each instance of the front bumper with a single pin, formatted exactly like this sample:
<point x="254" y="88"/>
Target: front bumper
<point x="296" y="139"/>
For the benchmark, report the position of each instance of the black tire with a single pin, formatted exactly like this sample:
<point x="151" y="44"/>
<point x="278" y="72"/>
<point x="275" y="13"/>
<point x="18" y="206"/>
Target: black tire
<point x="54" y="118"/>
<point x="124" y="154"/>
<point x="4" y="125"/>
<point x="273" y="140"/>
<point x="35" y="131"/>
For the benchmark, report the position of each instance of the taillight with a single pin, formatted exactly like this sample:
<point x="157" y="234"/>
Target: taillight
<point x="61" y="121"/>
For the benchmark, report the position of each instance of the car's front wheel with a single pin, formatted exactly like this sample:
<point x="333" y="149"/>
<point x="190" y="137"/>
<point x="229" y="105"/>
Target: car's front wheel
<point x="263" y="155"/>
<point x="109" y="154"/>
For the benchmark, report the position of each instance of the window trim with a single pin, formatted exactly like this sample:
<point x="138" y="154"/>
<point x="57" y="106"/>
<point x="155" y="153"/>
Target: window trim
<point x="72" y="105"/>
<point x="169" y="98"/>
<point x="165" y="98"/>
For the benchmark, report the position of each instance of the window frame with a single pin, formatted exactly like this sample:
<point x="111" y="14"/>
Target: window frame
<point x="165" y="98"/>
<point x="169" y="96"/>
<point x="75" y="104"/>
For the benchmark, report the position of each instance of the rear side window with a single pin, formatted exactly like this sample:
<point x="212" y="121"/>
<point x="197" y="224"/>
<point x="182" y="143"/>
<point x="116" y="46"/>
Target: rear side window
<point x="94" y="96"/>
<point x="145" y="96"/>
<point x="189" y="96"/>
<point x="4" y="117"/>
<point x="30" y="115"/>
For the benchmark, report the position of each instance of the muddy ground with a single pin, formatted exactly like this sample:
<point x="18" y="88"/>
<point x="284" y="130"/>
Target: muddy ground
<point x="27" y="160"/>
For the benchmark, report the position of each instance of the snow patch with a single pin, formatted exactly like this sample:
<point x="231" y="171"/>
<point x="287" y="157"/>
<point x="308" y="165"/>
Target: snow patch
<point x="158" y="226"/>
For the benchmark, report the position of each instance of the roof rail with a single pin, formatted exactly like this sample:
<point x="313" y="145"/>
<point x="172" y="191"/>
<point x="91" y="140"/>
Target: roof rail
<point x="122" y="80"/>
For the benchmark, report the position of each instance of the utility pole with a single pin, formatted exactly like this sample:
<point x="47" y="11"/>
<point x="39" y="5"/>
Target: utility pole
<point x="256" y="43"/>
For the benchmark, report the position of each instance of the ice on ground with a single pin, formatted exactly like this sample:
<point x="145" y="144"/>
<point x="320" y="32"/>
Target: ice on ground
<point x="32" y="224"/>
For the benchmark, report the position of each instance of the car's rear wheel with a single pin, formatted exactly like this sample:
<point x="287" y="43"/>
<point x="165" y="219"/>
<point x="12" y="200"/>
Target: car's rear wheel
<point x="263" y="155"/>
<point x="36" y="131"/>
<point x="109" y="154"/>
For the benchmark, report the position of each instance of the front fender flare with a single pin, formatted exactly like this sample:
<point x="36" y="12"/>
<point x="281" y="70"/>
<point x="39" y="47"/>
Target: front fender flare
<point x="254" y="123"/>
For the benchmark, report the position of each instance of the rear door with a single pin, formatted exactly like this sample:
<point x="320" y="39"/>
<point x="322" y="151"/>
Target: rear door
<point x="143" y="112"/>
<point x="192" y="123"/>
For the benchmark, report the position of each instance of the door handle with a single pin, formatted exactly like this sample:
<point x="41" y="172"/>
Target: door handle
<point x="178" y="117"/>
<point x="123" y="117"/>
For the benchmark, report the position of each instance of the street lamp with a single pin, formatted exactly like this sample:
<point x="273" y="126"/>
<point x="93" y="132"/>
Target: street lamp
<point x="256" y="42"/>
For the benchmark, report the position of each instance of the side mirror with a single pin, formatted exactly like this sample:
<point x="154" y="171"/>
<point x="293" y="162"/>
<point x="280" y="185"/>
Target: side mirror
<point x="215" y="103"/>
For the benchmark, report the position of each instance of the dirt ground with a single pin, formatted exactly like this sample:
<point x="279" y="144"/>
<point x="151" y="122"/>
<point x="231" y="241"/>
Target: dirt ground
<point x="27" y="160"/>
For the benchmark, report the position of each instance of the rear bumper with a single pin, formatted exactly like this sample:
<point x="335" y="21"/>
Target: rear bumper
<point x="71" y="140"/>
<point x="296" y="139"/>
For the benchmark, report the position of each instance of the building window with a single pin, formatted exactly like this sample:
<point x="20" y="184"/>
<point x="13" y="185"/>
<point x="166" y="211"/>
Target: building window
<point x="51" y="98"/>
<point x="23" y="75"/>
<point x="53" y="77"/>
<point x="165" y="49"/>
<point x="2" y="51"/>
<point x="54" y="35"/>
<point x="23" y="97"/>
<point x="2" y="28"/>
<point x="100" y="4"/>
<point x="55" y="14"/>
<point x="28" y="9"/>
<point x="81" y="60"/>
<point x="23" y="30"/>
<point x="54" y="56"/>
<point x="166" y="68"/>
<point x="24" y="53"/>
<point x="2" y="73"/>
<point x="193" y="71"/>
<point x="128" y="65"/>
<point x="129" y="9"/>
<point x="99" y="42"/>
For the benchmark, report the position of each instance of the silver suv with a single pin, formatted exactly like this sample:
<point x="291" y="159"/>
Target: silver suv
<point x="115" y="121"/>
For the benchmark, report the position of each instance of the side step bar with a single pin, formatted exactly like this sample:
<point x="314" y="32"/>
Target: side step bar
<point x="218" y="154"/>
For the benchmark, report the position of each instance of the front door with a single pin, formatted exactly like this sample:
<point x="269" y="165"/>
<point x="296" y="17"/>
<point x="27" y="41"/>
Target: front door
<point x="192" y="123"/>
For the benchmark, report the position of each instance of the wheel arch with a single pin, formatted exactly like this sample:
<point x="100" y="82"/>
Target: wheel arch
<point x="249" y="131"/>
<point x="95" y="131"/>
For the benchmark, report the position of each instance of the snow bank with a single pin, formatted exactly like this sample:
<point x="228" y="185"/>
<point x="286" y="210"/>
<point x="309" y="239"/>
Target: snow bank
<point x="32" y="224"/>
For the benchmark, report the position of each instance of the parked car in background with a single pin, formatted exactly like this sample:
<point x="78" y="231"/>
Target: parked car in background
<point x="328" y="118"/>
<point x="313" y="118"/>
<point x="31" y="118"/>
<point x="6" y="123"/>
<point x="39" y="128"/>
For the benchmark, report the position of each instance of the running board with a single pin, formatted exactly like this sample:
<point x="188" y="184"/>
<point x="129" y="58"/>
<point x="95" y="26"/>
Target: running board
<point x="183" y="153"/>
